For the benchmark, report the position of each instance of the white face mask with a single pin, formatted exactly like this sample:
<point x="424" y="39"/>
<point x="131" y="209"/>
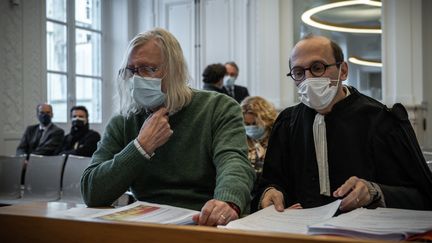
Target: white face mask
<point x="317" y="92"/>
<point x="147" y="91"/>
<point x="229" y="80"/>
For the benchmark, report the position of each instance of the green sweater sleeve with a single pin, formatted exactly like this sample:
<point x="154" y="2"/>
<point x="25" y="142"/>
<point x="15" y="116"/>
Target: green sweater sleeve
<point x="234" y="173"/>
<point x="112" y="169"/>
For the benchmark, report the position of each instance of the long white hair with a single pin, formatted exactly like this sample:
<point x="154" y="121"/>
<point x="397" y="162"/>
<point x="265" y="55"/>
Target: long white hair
<point x="176" y="78"/>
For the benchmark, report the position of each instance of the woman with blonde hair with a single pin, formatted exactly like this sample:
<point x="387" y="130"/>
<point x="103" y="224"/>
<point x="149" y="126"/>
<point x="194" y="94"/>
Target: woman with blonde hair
<point x="259" y="116"/>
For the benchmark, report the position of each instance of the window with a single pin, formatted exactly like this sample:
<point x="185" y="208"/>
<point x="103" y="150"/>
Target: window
<point x="74" y="61"/>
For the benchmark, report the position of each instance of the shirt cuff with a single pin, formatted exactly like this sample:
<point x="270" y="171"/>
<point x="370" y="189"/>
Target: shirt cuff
<point x="262" y="196"/>
<point x="142" y="151"/>
<point x="234" y="207"/>
<point x="376" y="195"/>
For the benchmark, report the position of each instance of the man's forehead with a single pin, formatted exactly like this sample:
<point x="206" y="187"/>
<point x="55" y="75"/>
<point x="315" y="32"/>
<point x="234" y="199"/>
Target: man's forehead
<point x="310" y="50"/>
<point x="146" y="52"/>
<point x="78" y="112"/>
<point x="45" y="108"/>
<point x="230" y="68"/>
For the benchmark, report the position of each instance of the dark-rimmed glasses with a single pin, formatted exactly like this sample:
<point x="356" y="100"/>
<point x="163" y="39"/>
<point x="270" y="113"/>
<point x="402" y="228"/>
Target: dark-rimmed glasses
<point x="143" y="71"/>
<point x="317" y="69"/>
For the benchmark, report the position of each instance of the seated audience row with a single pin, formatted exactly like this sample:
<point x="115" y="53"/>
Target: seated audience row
<point x="46" y="138"/>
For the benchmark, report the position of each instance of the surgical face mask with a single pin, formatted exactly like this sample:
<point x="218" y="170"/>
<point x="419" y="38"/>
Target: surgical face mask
<point x="44" y="119"/>
<point x="147" y="91"/>
<point x="78" y="123"/>
<point x="317" y="92"/>
<point x="255" y="132"/>
<point x="229" y="80"/>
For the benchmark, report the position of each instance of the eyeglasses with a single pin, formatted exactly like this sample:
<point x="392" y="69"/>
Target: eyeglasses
<point x="317" y="69"/>
<point x="143" y="71"/>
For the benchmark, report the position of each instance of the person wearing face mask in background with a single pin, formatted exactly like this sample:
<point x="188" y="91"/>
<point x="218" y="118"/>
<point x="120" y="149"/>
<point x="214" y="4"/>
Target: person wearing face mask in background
<point x="340" y="144"/>
<point x="171" y="144"/>
<point x="259" y="116"/>
<point x="43" y="138"/>
<point x="213" y="76"/>
<point x="236" y="91"/>
<point x="81" y="140"/>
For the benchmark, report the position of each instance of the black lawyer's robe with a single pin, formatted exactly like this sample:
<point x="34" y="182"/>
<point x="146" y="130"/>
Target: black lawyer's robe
<point x="364" y="139"/>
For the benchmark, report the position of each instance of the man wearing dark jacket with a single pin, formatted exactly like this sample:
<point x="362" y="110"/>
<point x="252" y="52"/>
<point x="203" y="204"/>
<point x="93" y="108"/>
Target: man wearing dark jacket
<point x="236" y="91"/>
<point x="43" y="138"/>
<point x="81" y="140"/>
<point x="213" y="78"/>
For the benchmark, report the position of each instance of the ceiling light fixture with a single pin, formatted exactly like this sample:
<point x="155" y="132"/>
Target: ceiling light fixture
<point x="364" y="62"/>
<point x="307" y="17"/>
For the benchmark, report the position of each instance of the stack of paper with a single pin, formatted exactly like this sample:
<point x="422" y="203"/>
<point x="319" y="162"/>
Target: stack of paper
<point x="380" y="223"/>
<point x="290" y="221"/>
<point x="138" y="212"/>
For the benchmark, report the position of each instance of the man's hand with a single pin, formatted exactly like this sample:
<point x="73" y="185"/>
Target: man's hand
<point x="155" y="131"/>
<point x="296" y="206"/>
<point x="214" y="213"/>
<point x="273" y="196"/>
<point x="355" y="194"/>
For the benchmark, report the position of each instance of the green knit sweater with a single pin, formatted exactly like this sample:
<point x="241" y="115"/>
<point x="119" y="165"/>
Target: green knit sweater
<point x="205" y="158"/>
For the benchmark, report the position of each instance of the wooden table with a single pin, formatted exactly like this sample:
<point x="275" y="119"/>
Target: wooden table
<point x="38" y="222"/>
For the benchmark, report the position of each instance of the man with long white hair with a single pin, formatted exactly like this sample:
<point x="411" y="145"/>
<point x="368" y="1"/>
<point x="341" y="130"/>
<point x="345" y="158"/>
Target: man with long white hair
<point x="171" y="144"/>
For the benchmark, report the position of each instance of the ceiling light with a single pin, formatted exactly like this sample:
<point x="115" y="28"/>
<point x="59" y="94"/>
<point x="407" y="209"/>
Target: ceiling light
<point x="365" y="62"/>
<point x="307" y="17"/>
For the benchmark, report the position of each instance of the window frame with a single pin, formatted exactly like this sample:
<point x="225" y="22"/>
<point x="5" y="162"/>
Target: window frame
<point x="71" y="72"/>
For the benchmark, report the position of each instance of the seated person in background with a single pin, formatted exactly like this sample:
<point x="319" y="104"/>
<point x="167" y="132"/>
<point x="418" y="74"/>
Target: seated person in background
<point x="81" y="140"/>
<point x="213" y="78"/>
<point x="259" y="116"/>
<point x="236" y="91"/>
<point x="339" y="143"/>
<point x="44" y="138"/>
<point x="171" y="144"/>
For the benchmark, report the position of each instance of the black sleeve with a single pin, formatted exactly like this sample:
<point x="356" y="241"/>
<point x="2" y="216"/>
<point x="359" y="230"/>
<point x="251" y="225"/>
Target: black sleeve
<point x="273" y="173"/>
<point x="402" y="172"/>
<point x="89" y="145"/>
<point x="23" y="146"/>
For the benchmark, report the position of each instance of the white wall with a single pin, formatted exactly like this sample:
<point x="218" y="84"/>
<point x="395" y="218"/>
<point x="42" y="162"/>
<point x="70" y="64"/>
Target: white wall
<point x="22" y="79"/>
<point x="427" y="71"/>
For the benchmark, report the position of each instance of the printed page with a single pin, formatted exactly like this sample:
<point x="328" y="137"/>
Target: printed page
<point x="289" y="221"/>
<point x="138" y="212"/>
<point x="380" y="223"/>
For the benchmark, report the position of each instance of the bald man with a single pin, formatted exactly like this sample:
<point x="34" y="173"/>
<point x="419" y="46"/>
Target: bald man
<point x="340" y="144"/>
<point x="43" y="138"/>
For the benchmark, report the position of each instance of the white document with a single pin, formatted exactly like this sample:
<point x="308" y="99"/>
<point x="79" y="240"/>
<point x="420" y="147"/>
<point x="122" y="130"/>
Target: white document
<point x="380" y="223"/>
<point x="289" y="221"/>
<point x="137" y="212"/>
